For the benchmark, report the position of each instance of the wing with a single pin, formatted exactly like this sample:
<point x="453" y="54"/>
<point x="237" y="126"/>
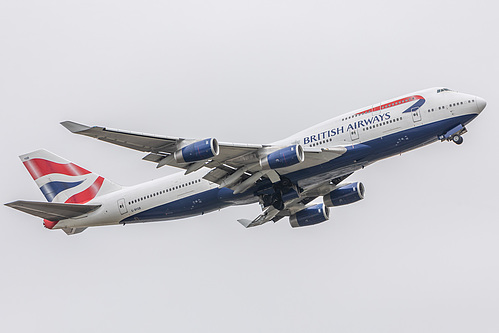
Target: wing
<point x="160" y="147"/>
<point x="236" y="166"/>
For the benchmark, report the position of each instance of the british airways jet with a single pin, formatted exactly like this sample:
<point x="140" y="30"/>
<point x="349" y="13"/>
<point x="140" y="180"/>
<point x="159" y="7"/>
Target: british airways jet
<point x="287" y="177"/>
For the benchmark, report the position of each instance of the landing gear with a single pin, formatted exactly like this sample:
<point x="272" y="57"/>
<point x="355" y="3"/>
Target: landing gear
<point x="278" y="204"/>
<point x="275" y="199"/>
<point x="455" y="134"/>
<point x="267" y="200"/>
<point x="457" y="139"/>
<point x="285" y="183"/>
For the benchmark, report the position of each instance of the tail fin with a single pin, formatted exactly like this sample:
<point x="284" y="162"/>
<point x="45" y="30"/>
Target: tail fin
<point x="63" y="181"/>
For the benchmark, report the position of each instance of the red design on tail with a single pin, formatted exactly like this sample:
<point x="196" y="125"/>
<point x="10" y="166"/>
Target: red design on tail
<point x="39" y="167"/>
<point x="88" y="194"/>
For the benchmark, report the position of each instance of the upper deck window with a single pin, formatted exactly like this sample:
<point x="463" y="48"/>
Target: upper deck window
<point x="443" y="89"/>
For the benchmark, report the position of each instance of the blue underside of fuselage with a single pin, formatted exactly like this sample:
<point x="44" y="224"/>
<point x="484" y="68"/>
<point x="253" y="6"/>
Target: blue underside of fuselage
<point x="356" y="157"/>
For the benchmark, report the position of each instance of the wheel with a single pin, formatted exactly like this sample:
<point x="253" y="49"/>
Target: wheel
<point x="457" y="139"/>
<point x="267" y="200"/>
<point x="278" y="204"/>
<point x="285" y="182"/>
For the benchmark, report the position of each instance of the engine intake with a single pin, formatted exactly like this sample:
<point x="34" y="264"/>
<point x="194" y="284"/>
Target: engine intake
<point x="345" y="195"/>
<point x="197" y="151"/>
<point x="283" y="157"/>
<point x="310" y="216"/>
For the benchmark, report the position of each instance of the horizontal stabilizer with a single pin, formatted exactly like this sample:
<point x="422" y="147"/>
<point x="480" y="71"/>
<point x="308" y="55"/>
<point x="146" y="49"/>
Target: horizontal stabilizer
<point x="52" y="211"/>
<point x="73" y="231"/>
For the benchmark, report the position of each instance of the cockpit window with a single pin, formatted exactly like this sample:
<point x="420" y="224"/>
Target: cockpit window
<point x="443" y="89"/>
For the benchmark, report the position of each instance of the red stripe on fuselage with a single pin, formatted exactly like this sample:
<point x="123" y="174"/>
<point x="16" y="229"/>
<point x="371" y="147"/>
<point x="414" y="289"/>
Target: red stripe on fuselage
<point x="394" y="103"/>
<point x="38" y="168"/>
<point x="88" y="194"/>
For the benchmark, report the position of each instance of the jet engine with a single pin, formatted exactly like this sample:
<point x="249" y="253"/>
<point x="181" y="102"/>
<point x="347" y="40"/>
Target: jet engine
<point x="345" y="195"/>
<point x="310" y="216"/>
<point x="283" y="158"/>
<point x="197" y="151"/>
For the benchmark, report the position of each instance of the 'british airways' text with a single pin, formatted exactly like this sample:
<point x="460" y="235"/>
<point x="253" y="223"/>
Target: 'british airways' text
<point x="352" y="126"/>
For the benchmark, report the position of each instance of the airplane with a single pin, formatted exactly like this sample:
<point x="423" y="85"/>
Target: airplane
<point x="286" y="177"/>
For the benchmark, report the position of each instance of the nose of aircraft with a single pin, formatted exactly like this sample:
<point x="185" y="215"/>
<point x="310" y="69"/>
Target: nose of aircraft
<point x="480" y="103"/>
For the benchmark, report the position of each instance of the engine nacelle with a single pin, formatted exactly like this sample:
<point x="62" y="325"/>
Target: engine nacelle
<point x="197" y="151"/>
<point x="310" y="216"/>
<point x="283" y="157"/>
<point x="345" y="195"/>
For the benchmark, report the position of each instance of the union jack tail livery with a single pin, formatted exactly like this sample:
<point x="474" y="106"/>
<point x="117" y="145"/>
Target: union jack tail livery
<point x="64" y="182"/>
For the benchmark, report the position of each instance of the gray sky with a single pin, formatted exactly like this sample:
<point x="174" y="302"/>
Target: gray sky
<point x="419" y="254"/>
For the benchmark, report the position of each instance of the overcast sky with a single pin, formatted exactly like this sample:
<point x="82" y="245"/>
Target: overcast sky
<point x="419" y="254"/>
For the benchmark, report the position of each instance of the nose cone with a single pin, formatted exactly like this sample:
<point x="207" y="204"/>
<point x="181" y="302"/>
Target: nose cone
<point x="480" y="104"/>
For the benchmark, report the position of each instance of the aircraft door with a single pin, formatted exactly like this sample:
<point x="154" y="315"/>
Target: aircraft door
<point x="122" y="206"/>
<point x="416" y="114"/>
<point x="354" y="134"/>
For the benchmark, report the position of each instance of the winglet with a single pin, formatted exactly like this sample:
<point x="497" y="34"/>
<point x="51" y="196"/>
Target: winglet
<point x="74" y="127"/>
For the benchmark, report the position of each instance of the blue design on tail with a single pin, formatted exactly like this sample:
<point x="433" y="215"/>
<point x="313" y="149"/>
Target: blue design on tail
<point x="52" y="189"/>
